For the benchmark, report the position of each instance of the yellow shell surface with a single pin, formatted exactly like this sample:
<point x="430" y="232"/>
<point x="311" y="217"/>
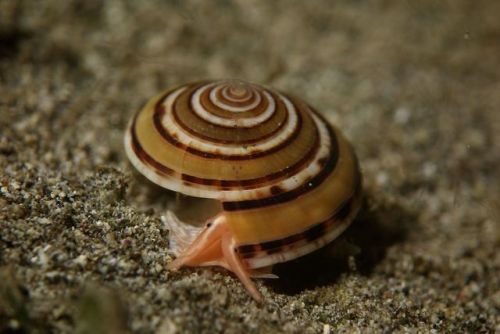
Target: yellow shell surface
<point x="287" y="179"/>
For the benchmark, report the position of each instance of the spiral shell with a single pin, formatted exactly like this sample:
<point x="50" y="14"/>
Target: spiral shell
<point x="288" y="181"/>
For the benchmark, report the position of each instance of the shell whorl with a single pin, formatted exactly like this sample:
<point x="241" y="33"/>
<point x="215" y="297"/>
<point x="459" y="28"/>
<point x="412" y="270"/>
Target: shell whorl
<point x="232" y="141"/>
<point x="289" y="182"/>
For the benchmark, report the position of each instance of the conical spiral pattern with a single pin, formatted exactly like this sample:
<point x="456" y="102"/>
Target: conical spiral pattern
<point x="288" y="181"/>
<point x="230" y="140"/>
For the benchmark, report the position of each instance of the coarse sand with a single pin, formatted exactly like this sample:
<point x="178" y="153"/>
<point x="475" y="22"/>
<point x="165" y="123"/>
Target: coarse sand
<point x="415" y="85"/>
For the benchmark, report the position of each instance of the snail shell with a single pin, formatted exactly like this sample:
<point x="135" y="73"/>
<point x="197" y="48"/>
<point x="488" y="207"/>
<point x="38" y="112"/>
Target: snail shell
<point x="288" y="181"/>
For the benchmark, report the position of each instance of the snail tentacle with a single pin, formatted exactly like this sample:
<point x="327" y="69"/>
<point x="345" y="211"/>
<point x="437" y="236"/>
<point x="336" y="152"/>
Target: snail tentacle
<point x="215" y="246"/>
<point x="205" y="248"/>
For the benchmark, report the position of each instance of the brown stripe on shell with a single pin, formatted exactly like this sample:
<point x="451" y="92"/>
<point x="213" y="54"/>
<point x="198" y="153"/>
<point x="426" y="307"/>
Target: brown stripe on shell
<point x="193" y="90"/>
<point x="143" y="156"/>
<point x="226" y="134"/>
<point x="160" y="111"/>
<point x="263" y="180"/>
<point x="239" y="101"/>
<point x="246" y="183"/>
<point x="233" y="140"/>
<point x="292" y="194"/>
<point x="207" y="103"/>
<point x="311" y="234"/>
<point x="276" y="190"/>
<point x="225" y="184"/>
<point x="230" y="87"/>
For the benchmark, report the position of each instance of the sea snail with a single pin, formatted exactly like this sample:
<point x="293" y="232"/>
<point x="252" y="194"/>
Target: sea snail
<point x="288" y="181"/>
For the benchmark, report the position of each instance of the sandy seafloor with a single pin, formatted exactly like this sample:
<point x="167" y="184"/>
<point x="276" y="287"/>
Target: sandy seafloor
<point x="414" y="84"/>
